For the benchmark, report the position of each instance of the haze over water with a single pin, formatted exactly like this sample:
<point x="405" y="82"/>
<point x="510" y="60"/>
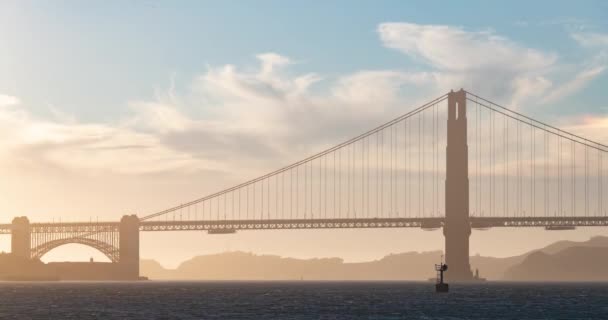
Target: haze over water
<point x="301" y="300"/>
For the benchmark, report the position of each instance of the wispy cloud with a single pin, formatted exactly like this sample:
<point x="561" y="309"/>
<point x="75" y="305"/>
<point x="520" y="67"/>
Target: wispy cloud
<point x="455" y="49"/>
<point x="479" y="60"/>
<point x="591" y="39"/>
<point x="576" y="84"/>
<point x="593" y="67"/>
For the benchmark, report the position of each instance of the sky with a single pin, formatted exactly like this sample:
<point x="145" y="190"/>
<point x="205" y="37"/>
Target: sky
<point x="130" y="107"/>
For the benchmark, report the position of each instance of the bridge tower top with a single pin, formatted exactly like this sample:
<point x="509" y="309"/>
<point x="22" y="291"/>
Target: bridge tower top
<point x="457" y="105"/>
<point x="21" y="221"/>
<point x="20" y="237"/>
<point x="129" y="219"/>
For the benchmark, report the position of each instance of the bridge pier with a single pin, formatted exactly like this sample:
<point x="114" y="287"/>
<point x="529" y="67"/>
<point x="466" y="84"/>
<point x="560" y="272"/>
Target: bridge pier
<point x="129" y="247"/>
<point x="457" y="227"/>
<point x="21" y="237"/>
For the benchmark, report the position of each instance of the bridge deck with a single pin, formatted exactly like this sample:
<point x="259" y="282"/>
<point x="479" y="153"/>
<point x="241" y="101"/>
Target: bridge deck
<point x="425" y="223"/>
<point x="279" y="224"/>
<point x="235" y="225"/>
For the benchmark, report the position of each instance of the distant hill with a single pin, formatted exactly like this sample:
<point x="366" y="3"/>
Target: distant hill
<point x="402" y="266"/>
<point x="556" y="247"/>
<point x="248" y="266"/>
<point x="525" y="267"/>
<point x="580" y="263"/>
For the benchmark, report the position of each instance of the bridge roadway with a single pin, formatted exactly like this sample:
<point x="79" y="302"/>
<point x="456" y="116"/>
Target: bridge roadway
<point x="231" y="226"/>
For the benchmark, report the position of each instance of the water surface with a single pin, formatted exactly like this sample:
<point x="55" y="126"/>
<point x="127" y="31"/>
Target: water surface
<point x="300" y="300"/>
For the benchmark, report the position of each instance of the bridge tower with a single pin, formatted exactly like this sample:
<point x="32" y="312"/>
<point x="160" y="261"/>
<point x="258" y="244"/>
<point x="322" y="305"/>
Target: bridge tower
<point x="457" y="228"/>
<point x="129" y="247"/>
<point x="21" y="237"/>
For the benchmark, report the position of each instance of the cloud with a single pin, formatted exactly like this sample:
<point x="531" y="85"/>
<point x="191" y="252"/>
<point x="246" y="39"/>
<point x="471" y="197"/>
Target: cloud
<point x="232" y="118"/>
<point x="6" y="100"/>
<point x="591" y="39"/>
<point x="592" y="126"/>
<point x="480" y="61"/>
<point x="593" y="67"/>
<point x="264" y="112"/>
<point x="570" y="87"/>
<point x="255" y="118"/>
<point x="454" y="49"/>
<point x="30" y="143"/>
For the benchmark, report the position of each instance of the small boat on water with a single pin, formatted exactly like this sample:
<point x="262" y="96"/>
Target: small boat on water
<point x="441" y="286"/>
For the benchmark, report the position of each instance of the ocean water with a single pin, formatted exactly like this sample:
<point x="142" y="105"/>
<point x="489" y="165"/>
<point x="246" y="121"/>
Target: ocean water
<point x="300" y="300"/>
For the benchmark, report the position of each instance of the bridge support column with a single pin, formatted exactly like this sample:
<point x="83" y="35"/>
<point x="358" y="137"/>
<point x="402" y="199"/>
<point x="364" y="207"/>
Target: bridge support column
<point x="129" y="247"/>
<point x="457" y="228"/>
<point x="21" y="237"/>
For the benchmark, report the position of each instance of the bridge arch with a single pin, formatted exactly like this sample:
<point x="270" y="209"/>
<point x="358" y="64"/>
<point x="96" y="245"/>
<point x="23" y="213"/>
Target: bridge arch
<point x="108" y="250"/>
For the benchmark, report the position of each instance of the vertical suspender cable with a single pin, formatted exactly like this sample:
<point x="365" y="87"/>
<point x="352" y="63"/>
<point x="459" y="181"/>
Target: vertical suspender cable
<point x="390" y="197"/>
<point x="340" y="194"/>
<point x="348" y="181"/>
<point x="602" y="211"/>
<point x="291" y="193"/>
<point x="320" y="188"/>
<point x="362" y="196"/>
<point x="531" y="171"/>
<point x="405" y="168"/>
<point x="367" y="176"/>
<point x="392" y="170"/>
<point x="383" y="178"/>
<point x="478" y="160"/>
<point x="493" y="187"/>
<point x="546" y="178"/>
<point x="601" y="183"/>
<point x="561" y="179"/>
<point x="305" y="189"/>
<point x="276" y="196"/>
<point x="599" y="195"/>
<point x="420" y="164"/>
<point x="508" y="165"/>
<point x="410" y="175"/>
<point x="533" y="157"/>
<point x="382" y="173"/>
<point x="573" y="181"/>
<point x="351" y="188"/>
<point x="423" y="164"/>
<point x="434" y="160"/>
<point x="311" y="189"/>
<point x="586" y="181"/>
<point x="297" y="206"/>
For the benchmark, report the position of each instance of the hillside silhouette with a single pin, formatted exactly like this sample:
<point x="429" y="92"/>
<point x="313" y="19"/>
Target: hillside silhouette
<point x="567" y="260"/>
<point x="580" y="263"/>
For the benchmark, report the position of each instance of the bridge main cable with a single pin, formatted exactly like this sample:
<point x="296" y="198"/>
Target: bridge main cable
<point x="298" y="163"/>
<point x="537" y="124"/>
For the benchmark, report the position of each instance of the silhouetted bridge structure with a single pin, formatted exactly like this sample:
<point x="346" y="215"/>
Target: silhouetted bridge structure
<point x="498" y="169"/>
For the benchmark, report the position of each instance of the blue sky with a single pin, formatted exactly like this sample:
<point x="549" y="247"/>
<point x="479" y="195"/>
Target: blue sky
<point x="71" y="53"/>
<point x="109" y="107"/>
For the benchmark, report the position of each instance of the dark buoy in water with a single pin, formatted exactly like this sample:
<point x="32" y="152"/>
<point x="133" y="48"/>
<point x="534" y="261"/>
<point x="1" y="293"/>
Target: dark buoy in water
<point x="441" y="286"/>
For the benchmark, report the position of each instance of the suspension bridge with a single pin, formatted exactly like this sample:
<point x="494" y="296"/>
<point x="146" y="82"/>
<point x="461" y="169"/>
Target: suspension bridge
<point x="459" y="162"/>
